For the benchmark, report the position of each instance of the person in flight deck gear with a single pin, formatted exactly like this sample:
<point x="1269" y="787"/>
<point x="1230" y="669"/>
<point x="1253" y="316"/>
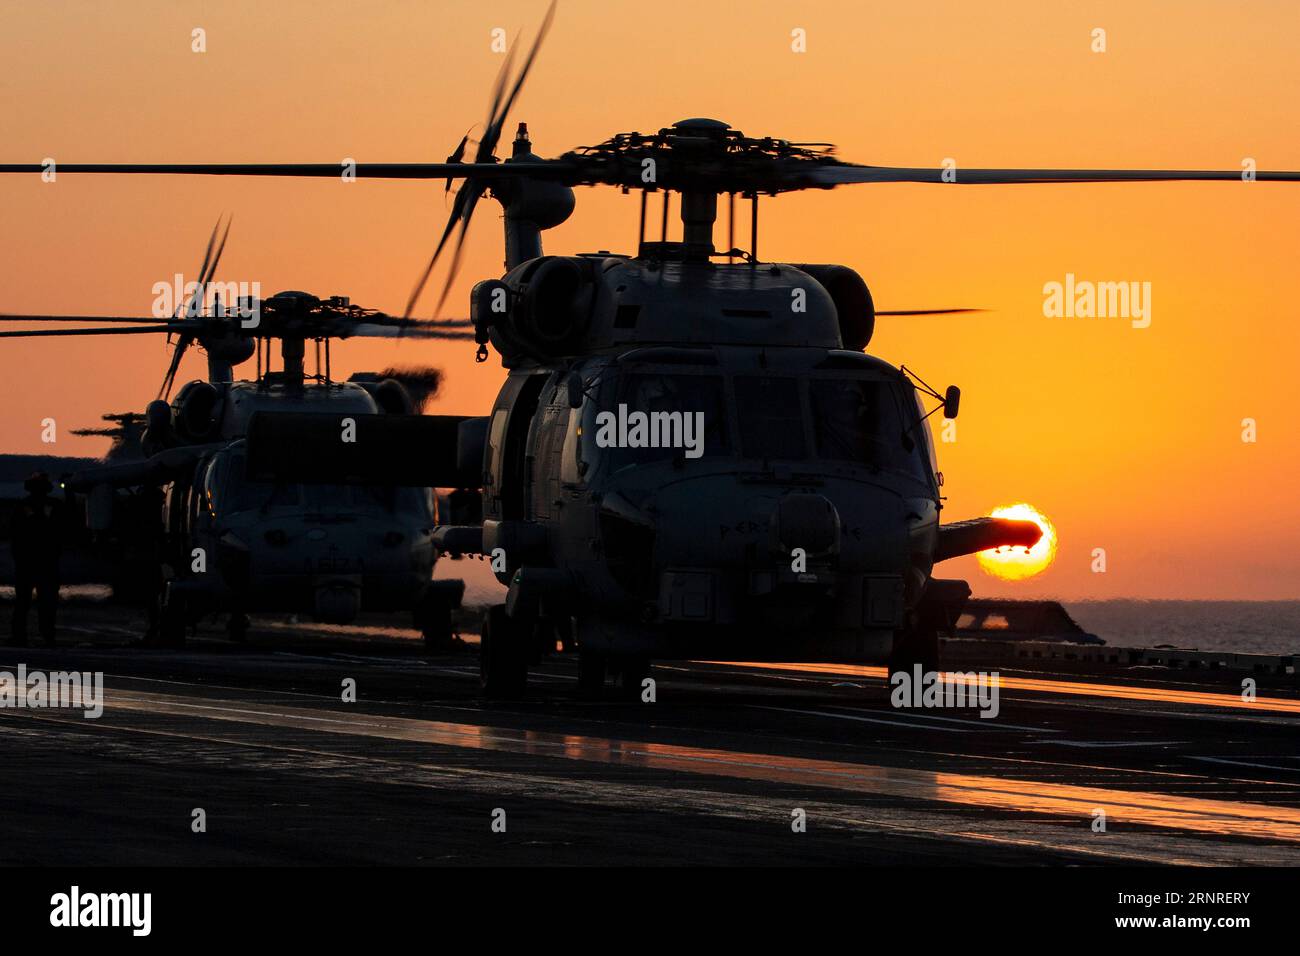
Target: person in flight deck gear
<point x="37" y="542"/>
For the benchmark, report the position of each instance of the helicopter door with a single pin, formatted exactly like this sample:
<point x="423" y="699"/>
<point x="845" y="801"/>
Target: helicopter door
<point x="508" y="464"/>
<point x="548" y="449"/>
<point x="196" y="508"/>
<point x="178" y="503"/>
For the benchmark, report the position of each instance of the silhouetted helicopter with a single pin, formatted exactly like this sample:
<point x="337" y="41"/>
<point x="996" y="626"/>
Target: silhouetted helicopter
<point x="127" y="431"/>
<point x="691" y="457"/>
<point x="235" y="541"/>
<point x="85" y="559"/>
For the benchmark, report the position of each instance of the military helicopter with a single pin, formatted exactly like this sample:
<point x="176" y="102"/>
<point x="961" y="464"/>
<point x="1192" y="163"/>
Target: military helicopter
<point x="127" y="431"/>
<point x="779" y="496"/>
<point x="84" y="559"/>
<point x="236" y="542"/>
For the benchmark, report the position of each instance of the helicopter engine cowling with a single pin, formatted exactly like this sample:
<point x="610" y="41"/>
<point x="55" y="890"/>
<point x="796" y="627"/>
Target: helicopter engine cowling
<point x="196" y="416"/>
<point x="392" y="397"/>
<point x="552" y="300"/>
<point x="558" y="306"/>
<point x="852" y="298"/>
<point x="158" y="431"/>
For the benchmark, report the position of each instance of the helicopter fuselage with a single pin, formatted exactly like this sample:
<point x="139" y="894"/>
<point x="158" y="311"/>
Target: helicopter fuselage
<point x="329" y="551"/>
<point x="326" y="550"/>
<point x="805" y="525"/>
<point x="704" y="469"/>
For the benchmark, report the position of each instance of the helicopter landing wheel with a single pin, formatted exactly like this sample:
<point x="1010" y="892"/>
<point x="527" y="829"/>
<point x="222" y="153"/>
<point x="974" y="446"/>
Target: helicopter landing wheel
<point x="503" y="656"/>
<point x="433" y="618"/>
<point x="591" y="675"/>
<point x="914" y="646"/>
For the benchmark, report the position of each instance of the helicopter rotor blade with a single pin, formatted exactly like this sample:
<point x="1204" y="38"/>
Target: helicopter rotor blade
<point x="221" y="248"/>
<point x="383" y="318"/>
<point x="457" y="210"/>
<point x="195" y="305"/>
<point x="207" y="277"/>
<point x="487" y="147"/>
<point x="206" y="270"/>
<point x="485" y="152"/>
<point x="366" y="330"/>
<point x="443" y="323"/>
<point x="187" y="308"/>
<point x="182" y="307"/>
<point x="458" y="251"/>
<point x="169" y="378"/>
<point x="457" y="155"/>
<point x="107" y="330"/>
<point x="485" y="156"/>
<point x="542" y="169"/>
<point x="927" y="311"/>
<point x="840" y="175"/>
<point x="129" y="319"/>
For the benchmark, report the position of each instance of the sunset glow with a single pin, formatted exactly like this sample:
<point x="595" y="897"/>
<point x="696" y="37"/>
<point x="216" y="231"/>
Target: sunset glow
<point x="1075" y="413"/>
<point x="1016" y="563"/>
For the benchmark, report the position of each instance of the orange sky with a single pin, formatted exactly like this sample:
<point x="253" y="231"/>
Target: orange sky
<point x="1130" y="440"/>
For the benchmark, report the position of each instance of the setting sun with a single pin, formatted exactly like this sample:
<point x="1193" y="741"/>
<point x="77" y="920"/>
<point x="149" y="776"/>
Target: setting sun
<point x="1015" y="563"/>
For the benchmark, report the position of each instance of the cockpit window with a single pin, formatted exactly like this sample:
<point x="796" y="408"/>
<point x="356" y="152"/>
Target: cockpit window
<point x="771" y="417"/>
<point x="659" y="416"/>
<point x="240" y="494"/>
<point x="861" y="420"/>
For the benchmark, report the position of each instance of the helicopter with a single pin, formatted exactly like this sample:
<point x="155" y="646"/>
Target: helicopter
<point x="85" y="560"/>
<point x="779" y="496"/>
<point x="328" y="549"/>
<point x="127" y="431"/>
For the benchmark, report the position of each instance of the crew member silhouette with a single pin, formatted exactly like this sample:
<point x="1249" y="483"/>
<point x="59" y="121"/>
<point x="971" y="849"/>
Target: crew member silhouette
<point x="37" y="542"/>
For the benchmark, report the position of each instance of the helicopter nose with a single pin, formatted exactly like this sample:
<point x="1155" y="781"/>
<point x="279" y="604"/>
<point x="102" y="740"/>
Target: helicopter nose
<point x="807" y="521"/>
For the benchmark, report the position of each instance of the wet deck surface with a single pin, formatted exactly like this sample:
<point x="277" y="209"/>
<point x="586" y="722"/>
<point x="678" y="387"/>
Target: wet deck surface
<point x="286" y="772"/>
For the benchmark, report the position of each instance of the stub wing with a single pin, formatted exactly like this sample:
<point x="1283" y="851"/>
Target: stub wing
<point x="981" y="534"/>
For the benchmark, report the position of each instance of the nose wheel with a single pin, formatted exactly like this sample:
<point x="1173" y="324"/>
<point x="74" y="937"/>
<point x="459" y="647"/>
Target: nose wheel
<point x="433" y="618"/>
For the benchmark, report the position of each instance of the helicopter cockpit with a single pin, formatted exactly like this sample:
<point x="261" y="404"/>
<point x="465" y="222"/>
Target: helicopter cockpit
<point x="821" y="419"/>
<point x="227" y="490"/>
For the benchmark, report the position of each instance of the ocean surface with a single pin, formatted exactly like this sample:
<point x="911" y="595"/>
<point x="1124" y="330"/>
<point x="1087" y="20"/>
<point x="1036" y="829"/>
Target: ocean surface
<point x="1244" y="627"/>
